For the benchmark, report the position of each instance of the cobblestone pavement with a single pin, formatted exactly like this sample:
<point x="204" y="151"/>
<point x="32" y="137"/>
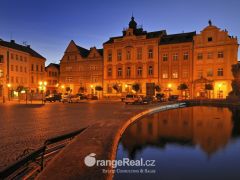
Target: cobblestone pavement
<point x="28" y="126"/>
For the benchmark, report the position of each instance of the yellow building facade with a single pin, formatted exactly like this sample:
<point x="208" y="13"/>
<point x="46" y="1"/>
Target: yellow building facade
<point x="81" y="69"/>
<point x="52" y="74"/>
<point x="152" y="59"/>
<point x="19" y="66"/>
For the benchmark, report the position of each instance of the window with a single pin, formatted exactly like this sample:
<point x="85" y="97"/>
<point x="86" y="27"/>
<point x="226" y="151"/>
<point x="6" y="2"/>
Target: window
<point x="185" y="74"/>
<point x="210" y="55"/>
<point x="128" y="71"/>
<point x="139" y="71"/>
<point x="32" y="80"/>
<point x="220" y="54"/>
<point x="165" y="75"/>
<point x="175" y="56"/>
<point x="12" y="68"/>
<point x="109" y="72"/>
<point x="69" y="79"/>
<point x="12" y="56"/>
<point x="165" y="57"/>
<point x="150" y="53"/>
<point x="175" y="75"/>
<point x="209" y="73"/>
<point x="32" y="67"/>
<point x="109" y="56"/>
<point x="128" y="55"/>
<point x="36" y="67"/>
<point x="119" y="72"/>
<point x="150" y="70"/>
<point x="220" y="72"/>
<point x="200" y="56"/>
<point x="1" y="58"/>
<point x="16" y="68"/>
<point x="109" y="88"/>
<point x="1" y="73"/>
<point x="185" y="56"/>
<point x="200" y="74"/>
<point x="209" y="39"/>
<point x="119" y="55"/>
<point x="139" y="53"/>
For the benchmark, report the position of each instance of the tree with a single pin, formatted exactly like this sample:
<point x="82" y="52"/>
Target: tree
<point x="81" y="90"/>
<point x="183" y="87"/>
<point x="116" y="88"/>
<point x="136" y="87"/>
<point x="158" y="88"/>
<point x="98" y="88"/>
<point x="236" y="81"/>
<point x="68" y="89"/>
<point x="208" y="88"/>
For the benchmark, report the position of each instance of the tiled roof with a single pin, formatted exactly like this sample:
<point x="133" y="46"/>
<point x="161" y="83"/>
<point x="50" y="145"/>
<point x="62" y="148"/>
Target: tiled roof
<point x="177" y="38"/>
<point x="55" y="65"/>
<point x="22" y="48"/>
<point x="84" y="52"/>
<point x="139" y="32"/>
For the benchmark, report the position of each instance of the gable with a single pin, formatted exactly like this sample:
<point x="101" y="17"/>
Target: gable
<point x="72" y="47"/>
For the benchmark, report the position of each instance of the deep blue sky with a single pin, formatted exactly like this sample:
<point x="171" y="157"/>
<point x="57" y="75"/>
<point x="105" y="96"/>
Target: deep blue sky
<point x="49" y="25"/>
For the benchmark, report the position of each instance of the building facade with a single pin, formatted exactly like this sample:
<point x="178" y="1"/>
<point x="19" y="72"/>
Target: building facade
<point x="81" y="69"/>
<point x="52" y="74"/>
<point x="19" y="66"/>
<point x="152" y="59"/>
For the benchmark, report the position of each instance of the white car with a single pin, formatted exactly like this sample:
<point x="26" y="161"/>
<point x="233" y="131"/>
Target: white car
<point x="132" y="99"/>
<point x="71" y="98"/>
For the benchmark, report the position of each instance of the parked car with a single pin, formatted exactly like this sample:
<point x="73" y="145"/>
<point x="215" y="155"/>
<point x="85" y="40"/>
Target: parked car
<point x="82" y="96"/>
<point x="132" y="99"/>
<point x="53" y="98"/>
<point x="92" y="97"/>
<point x="74" y="99"/>
<point x="173" y="97"/>
<point x="149" y="99"/>
<point x="160" y="97"/>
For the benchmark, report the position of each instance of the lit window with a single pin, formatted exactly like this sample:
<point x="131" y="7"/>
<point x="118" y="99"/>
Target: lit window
<point x="220" y="54"/>
<point x="200" y="56"/>
<point x="185" y="56"/>
<point x="165" y="75"/>
<point x="220" y="72"/>
<point x="210" y="55"/>
<point x="209" y="72"/>
<point x="165" y="57"/>
<point x="109" y="88"/>
<point x="175" y="75"/>
<point x="175" y="56"/>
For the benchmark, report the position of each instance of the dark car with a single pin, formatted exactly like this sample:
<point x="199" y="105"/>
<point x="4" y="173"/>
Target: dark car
<point x="148" y="100"/>
<point x="82" y="96"/>
<point x="160" y="97"/>
<point x="173" y="98"/>
<point x="92" y="97"/>
<point x="53" y="98"/>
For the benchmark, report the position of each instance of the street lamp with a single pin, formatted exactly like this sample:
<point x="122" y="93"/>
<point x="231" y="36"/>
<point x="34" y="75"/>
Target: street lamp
<point x="219" y="90"/>
<point x="42" y="87"/>
<point x="169" y="89"/>
<point x="91" y="88"/>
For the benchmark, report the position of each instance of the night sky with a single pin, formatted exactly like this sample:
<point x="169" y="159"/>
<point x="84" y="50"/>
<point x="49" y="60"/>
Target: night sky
<point x="49" y="25"/>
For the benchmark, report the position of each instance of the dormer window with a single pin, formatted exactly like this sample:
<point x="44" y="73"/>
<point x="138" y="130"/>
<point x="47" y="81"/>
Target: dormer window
<point x="209" y="39"/>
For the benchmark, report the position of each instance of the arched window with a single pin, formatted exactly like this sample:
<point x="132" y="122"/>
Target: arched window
<point x="139" y="71"/>
<point x="150" y="70"/>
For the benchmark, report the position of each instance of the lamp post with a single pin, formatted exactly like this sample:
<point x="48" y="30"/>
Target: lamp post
<point x="169" y="89"/>
<point x="42" y="87"/>
<point x="91" y="89"/>
<point x="9" y="86"/>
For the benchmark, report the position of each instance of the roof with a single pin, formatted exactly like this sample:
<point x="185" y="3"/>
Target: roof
<point x="100" y="51"/>
<point x="177" y="38"/>
<point x="84" y="52"/>
<point x="139" y="32"/>
<point x="55" y="65"/>
<point x="22" y="48"/>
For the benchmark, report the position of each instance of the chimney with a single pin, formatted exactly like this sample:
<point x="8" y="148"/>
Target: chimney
<point x="12" y="41"/>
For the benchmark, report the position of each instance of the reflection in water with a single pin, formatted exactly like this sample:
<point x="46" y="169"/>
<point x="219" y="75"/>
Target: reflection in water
<point x="201" y="137"/>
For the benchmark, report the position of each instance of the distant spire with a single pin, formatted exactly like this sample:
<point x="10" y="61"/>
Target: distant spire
<point x="210" y="22"/>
